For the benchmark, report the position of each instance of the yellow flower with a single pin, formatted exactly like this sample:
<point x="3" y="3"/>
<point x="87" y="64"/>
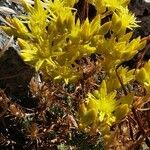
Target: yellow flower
<point x="128" y="20"/>
<point x="106" y="104"/>
<point x="40" y="55"/>
<point x="101" y="109"/>
<point x="118" y="50"/>
<point x="102" y="105"/>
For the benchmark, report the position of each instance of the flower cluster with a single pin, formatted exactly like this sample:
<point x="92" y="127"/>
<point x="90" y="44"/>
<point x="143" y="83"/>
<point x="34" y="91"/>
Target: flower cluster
<point x="119" y="9"/>
<point x="117" y="50"/>
<point x="52" y="37"/>
<point x="101" y="110"/>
